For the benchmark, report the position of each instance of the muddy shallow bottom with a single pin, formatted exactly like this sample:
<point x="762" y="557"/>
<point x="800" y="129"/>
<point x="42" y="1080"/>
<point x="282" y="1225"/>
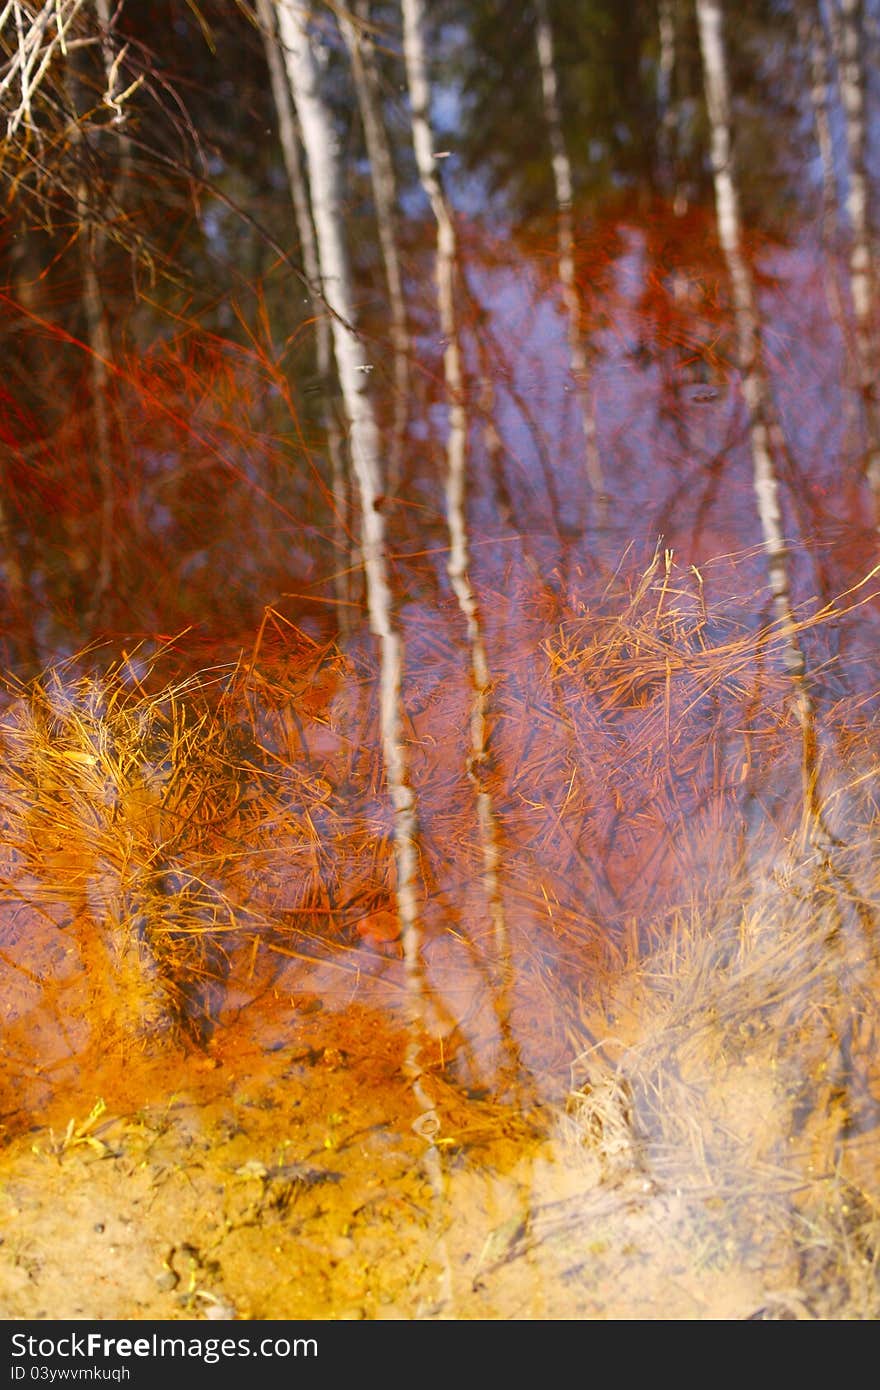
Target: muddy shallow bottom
<point x="288" y="1173"/>
<point x="650" y="1084"/>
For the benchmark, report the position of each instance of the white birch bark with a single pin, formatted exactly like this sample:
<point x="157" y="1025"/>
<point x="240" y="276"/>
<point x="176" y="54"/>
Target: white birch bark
<point x="763" y="424"/>
<point x="565" y="232"/>
<point x="290" y="145"/>
<point x="384" y="184"/>
<point x="456" y="475"/>
<point x="756" y="387"/>
<point x="322" y="158"/>
<point x="849" y="29"/>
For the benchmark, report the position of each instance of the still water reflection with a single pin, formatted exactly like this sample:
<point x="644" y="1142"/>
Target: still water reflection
<point x="550" y="977"/>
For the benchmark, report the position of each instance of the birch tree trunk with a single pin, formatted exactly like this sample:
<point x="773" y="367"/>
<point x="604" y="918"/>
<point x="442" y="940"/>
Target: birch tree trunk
<point x="290" y="146"/>
<point x="384" y="184"/>
<point x="862" y="270"/>
<point x="756" y="387"/>
<point x="562" y="181"/>
<point x="322" y="157"/>
<point x="763" y="425"/>
<point x="91" y="241"/>
<point x="813" y="41"/>
<point x="456" y="475"/>
<point x="116" y="97"/>
<point x="811" y="32"/>
<point x="812" y="38"/>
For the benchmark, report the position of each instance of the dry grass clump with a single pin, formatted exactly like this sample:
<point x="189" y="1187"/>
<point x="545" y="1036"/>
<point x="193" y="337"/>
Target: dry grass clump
<point x="734" y="1074"/>
<point x="134" y="819"/>
<point x="730" y="1088"/>
<point x="660" y="733"/>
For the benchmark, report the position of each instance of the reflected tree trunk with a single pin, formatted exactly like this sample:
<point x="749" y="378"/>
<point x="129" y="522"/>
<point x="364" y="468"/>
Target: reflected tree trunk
<point x="91" y="247"/>
<point x="811" y="32"/>
<point x="756" y="389"/>
<point x="813" y="41"/>
<point x="359" y="42"/>
<point x="91" y="239"/>
<point x="562" y="182"/>
<point x="665" y="110"/>
<point x="290" y="149"/>
<point x="750" y="349"/>
<point x="117" y="92"/>
<point x="302" y="63"/>
<point x="850" y="43"/>
<point x="456" y="483"/>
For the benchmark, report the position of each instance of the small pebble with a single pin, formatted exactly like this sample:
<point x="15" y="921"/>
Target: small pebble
<point x="220" y="1311"/>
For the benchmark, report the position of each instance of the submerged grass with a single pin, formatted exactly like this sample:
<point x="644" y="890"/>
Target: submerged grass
<point x="147" y="820"/>
<point x="674" y="926"/>
<point x="733" y="1075"/>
